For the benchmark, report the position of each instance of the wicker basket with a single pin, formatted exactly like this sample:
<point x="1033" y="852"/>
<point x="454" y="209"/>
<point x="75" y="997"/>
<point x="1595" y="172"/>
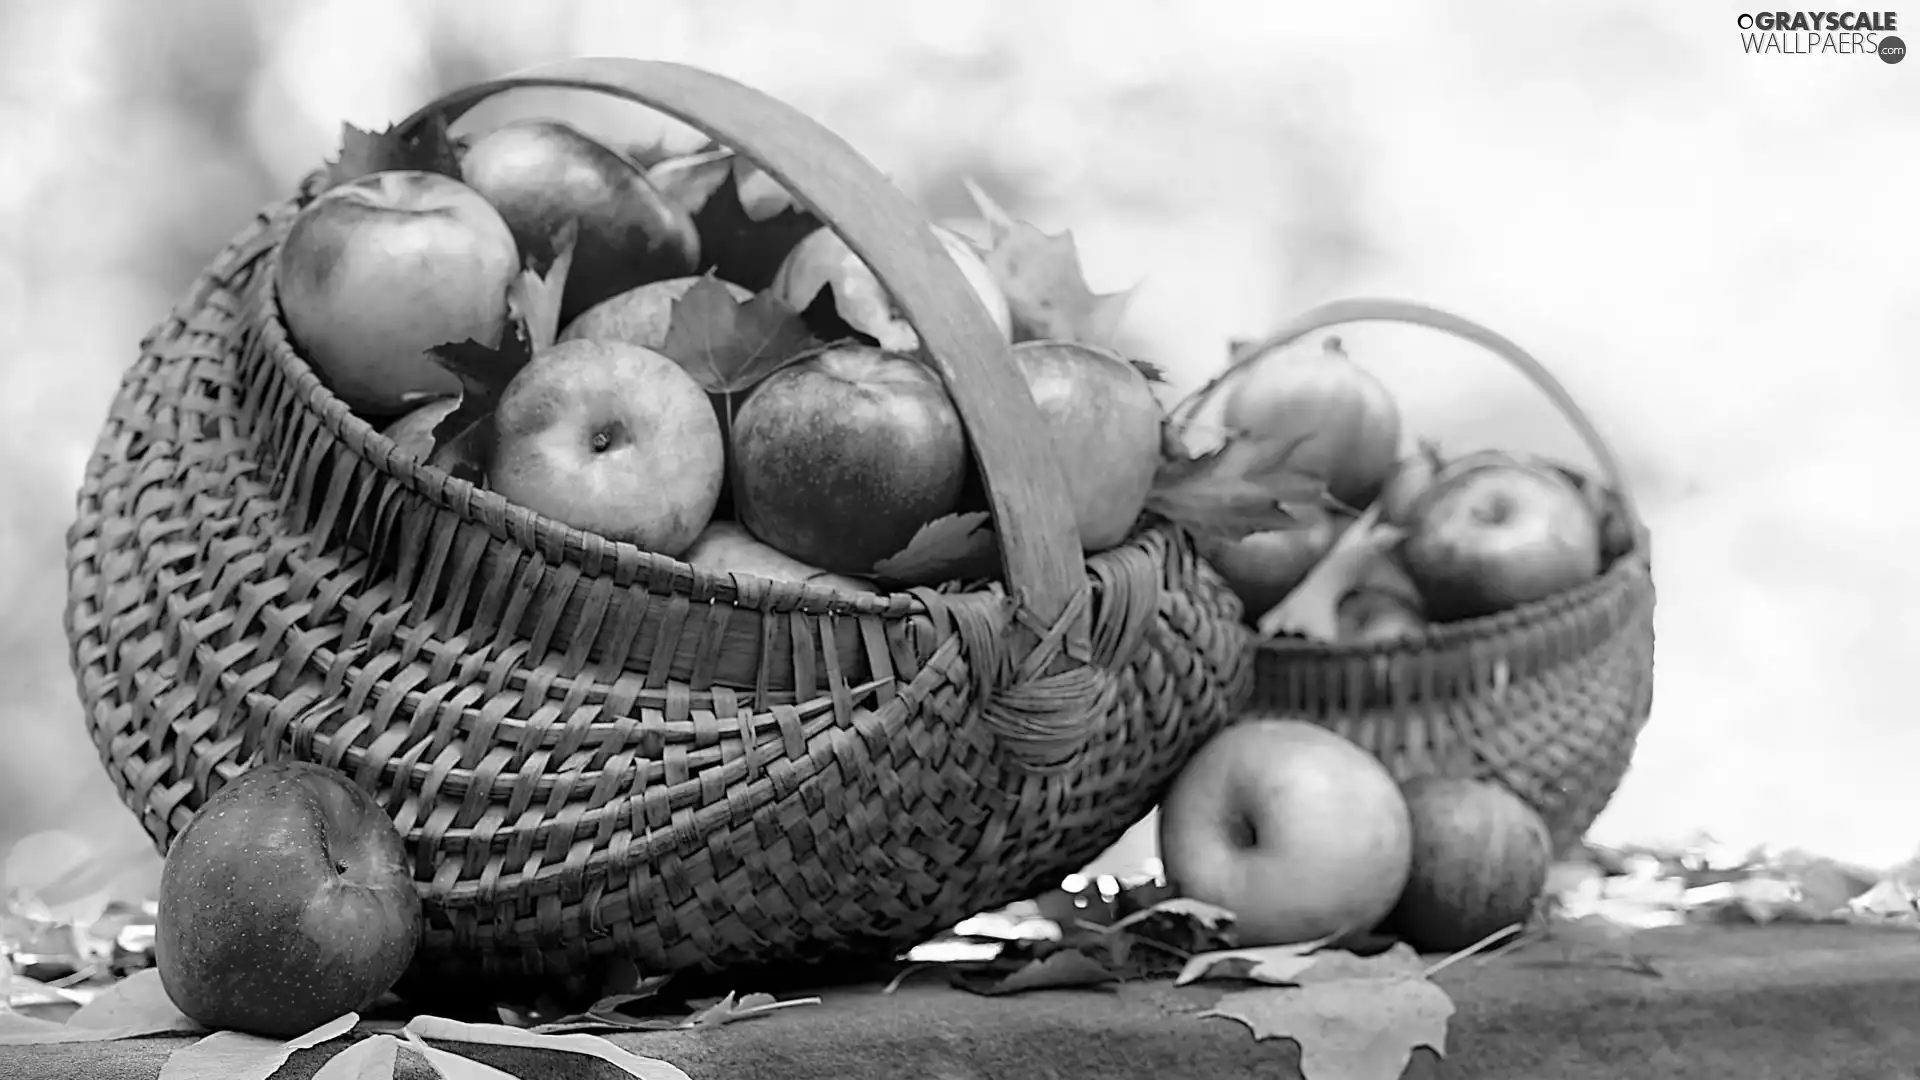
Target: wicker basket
<point x="597" y="752"/>
<point x="1547" y="698"/>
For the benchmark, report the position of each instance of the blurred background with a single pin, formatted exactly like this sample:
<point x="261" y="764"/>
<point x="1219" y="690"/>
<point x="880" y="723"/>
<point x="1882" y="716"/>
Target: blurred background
<point x="1714" y="251"/>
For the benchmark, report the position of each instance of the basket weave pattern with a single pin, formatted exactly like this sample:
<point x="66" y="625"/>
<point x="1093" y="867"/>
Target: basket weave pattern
<point x="591" y="751"/>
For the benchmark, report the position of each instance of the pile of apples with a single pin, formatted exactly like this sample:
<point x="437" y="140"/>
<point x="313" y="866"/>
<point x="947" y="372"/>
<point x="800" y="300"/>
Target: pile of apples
<point x="675" y="354"/>
<point x="1408" y="540"/>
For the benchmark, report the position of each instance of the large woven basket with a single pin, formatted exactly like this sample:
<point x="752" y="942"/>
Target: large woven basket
<point x="1547" y="698"/>
<point x="597" y="752"/>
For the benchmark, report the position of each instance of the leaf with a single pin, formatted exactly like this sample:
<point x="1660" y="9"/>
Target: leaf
<point x="138" y="1001"/>
<point x="1241" y="487"/>
<point x="727" y="1009"/>
<point x="1350" y="1029"/>
<point x="435" y="1027"/>
<point x="448" y="1065"/>
<point x="533" y="297"/>
<point x="1274" y="964"/>
<point x="369" y="1059"/>
<point x="1059" y="970"/>
<point x="1041" y="278"/>
<point x="692" y="179"/>
<point x="1312" y="609"/>
<point x="943" y="549"/>
<point x="1208" y="916"/>
<point x="362" y="153"/>
<point x="729" y="346"/>
<point x="1332" y="965"/>
<point x="231" y="1055"/>
<point x="1153" y="372"/>
<point x="747" y="221"/>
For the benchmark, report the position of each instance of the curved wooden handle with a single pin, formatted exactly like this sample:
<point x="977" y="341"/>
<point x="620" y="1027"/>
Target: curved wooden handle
<point x="1032" y="515"/>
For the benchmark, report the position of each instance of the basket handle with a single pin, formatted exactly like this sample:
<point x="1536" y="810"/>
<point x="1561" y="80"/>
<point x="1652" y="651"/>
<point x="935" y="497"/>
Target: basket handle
<point x="1414" y="313"/>
<point x="1045" y="567"/>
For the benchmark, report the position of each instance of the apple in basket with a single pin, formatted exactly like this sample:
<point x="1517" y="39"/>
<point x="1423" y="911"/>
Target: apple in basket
<point x="1296" y="830"/>
<point x="377" y="271"/>
<point x="287" y="901"/>
<point x="541" y="174"/>
<point x="726" y="548"/>
<point x="1480" y="861"/>
<point x="641" y="315"/>
<point x="1498" y="534"/>
<point x="611" y="438"/>
<point x="840" y="458"/>
<point x="1104" y="424"/>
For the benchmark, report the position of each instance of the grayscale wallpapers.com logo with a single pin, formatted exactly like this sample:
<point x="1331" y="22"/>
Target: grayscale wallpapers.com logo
<point x="1823" y="33"/>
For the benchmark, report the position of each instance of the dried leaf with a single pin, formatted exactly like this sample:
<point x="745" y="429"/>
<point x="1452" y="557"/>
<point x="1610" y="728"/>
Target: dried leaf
<point x="534" y="296"/>
<point x="1312" y="609"/>
<point x="729" y="346"/>
<point x="1241" y="487"/>
<point x="728" y="1009"/>
<point x="230" y="1055"/>
<point x="362" y="153"/>
<point x="1208" y="916"/>
<point x="946" y="548"/>
<point x="435" y="1027"/>
<point x="1153" y="372"/>
<point x="1276" y="965"/>
<point x="1350" y="1029"/>
<point x="369" y="1059"/>
<point x="692" y="179"/>
<point x="747" y="221"/>
<point x="138" y="1001"/>
<point x="448" y="1065"/>
<point x="1058" y="970"/>
<point x="1332" y="965"/>
<point x="1042" y="280"/>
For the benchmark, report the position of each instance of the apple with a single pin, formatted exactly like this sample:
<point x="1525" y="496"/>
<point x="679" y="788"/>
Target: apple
<point x="822" y="260"/>
<point x="641" y="315"/>
<point x="1480" y="861"/>
<point x="1293" y="828"/>
<point x="287" y="901"/>
<point x="1105" y="426"/>
<point x="727" y="548"/>
<point x="374" y="273"/>
<point x="1496" y="536"/>
<point x="611" y="438"/>
<point x="839" y="459"/>
<point x="541" y="174"/>
<point x="1263" y="568"/>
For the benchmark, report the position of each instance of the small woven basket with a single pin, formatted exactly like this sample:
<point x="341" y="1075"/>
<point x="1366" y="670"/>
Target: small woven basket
<point x="1547" y="698"/>
<point x="593" y="751"/>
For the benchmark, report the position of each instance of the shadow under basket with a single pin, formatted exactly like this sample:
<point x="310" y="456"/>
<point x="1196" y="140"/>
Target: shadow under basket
<point x="591" y="751"/>
<point x="1547" y="698"/>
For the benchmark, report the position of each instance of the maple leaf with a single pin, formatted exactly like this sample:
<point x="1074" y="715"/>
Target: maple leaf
<point x="1274" y="964"/>
<point x="729" y="1009"/>
<point x="421" y="1028"/>
<point x="428" y="149"/>
<point x="1041" y="278"/>
<point x="1348" y="1029"/>
<point x="233" y="1055"/>
<point x="944" y="549"/>
<point x="1243" y="486"/>
<point x="747" y="221"/>
<point x="729" y="346"/>
<point x="1312" y="609"/>
<point x="484" y="371"/>
<point x="1058" y="970"/>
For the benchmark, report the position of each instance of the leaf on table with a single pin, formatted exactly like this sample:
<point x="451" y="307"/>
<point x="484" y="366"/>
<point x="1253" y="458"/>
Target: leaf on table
<point x="442" y="1029"/>
<point x="1273" y="964"/>
<point x="1041" y="277"/>
<point x="1887" y="900"/>
<point x="231" y="1055"/>
<point x="430" y="149"/>
<point x="729" y="1009"/>
<point x="448" y="1065"/>
<point x="1312" y="609"/>
<point x="948" y="547"/>
<point x="1348" y="1029"/>
<point x="1243" y="486"/>
<point x="729" y="346"/>
<point x="1332" y="965"/>
<point x="1174" y="929"/>
<point x="1059" y="970"/>
<point x="371" y="1058"/>
<point x="1207" y="916"/>
<point x="138" y="1001"/>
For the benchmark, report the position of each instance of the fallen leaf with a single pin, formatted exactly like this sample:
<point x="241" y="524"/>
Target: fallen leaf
<point x="1348" y="1029"/>
<point x="1208" y="916"/>
<point x="1888" y="900"/>
<point x="230" y="1055"/>
<point x="369" y="1059"/>
<point x="448" y="1065"/>
<point x="1240" y="487"/>
<point x="138" y="1001"/>
<point x="944" y="549"/>
<point x="729" y="346"/>
<point x="1274" y="964"/>
<point x="748" y="223"/>
<point x="1312" y="609"/>
<point x="362" y="153"/>
<point x="1332" y="965"/>
<point x="1059" y="970"/>
<point x="1040" y="275"/>
<point x="435" y="1027"/>
<point x="728" y="1009"/>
